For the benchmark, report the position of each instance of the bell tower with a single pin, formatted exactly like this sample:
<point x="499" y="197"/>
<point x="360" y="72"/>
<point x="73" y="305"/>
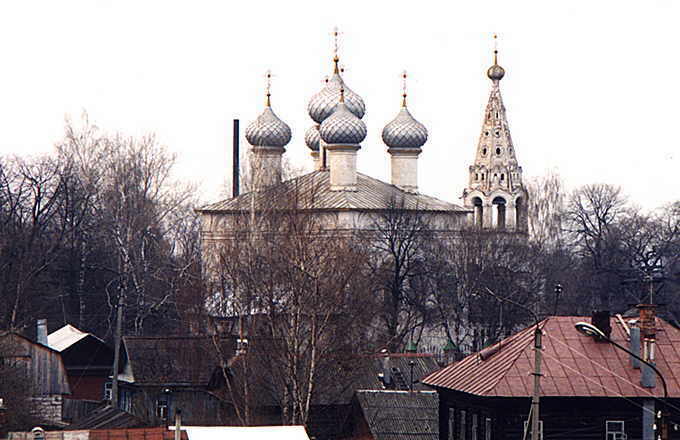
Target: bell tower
<point x="495" y="191"/>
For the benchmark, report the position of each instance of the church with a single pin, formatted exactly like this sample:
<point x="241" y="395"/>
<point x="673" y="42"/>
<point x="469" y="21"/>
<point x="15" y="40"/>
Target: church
<point x="494" y="199"/>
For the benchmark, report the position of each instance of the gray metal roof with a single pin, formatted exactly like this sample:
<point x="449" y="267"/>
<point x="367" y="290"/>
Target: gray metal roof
<point x="312" y="191"/>
<point x="400" y="415"/>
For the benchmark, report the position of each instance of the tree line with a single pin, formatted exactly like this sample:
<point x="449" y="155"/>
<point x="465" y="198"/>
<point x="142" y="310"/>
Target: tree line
<point x="100" y="225"/>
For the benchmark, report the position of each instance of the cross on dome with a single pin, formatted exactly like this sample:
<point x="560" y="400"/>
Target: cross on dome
<point x="268" y="86"/>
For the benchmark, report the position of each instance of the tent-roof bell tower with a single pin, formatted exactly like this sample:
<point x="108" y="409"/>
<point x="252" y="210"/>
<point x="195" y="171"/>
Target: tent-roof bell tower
<point x="495" y="190"/>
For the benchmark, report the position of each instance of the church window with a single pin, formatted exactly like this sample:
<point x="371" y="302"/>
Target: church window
<point x="476" y="176"/>
<point x="486" y="133"/>
<point x="502" y="177"/>
<point x="484" y="151"/>
<point x="498" y="133"/>
<point x="498" y="151"/>
<point x="482" y="176"/>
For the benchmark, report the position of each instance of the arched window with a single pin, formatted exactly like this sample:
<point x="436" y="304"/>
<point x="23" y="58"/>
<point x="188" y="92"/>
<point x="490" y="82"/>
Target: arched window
<point x="478" y="219"/>
<point x="499" y="212"/>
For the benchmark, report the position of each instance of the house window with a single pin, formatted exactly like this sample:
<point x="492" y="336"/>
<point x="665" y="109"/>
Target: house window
<point x="162" y="407"/>
<point x="487" y="429"/>
<point x="527" y="429"/>
<point x="462" y="426"/>
<point x="108" y="391"/>
<point x="615" y="430"/>
<point x="473" y="428"/>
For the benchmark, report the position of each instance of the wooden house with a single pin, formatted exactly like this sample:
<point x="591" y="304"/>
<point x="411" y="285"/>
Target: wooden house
<point x="589" y="389"/>
<point x="161" y="374"/>
<point x="88" y="361"/>
<point x="44" y="370"/>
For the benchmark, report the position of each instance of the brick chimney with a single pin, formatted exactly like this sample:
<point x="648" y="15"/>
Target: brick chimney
<point x="647" y="324"/>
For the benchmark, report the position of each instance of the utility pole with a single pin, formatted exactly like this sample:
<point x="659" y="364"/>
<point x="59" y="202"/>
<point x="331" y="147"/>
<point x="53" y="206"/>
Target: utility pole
<point x="536" y="398"/>
<point x="116" y="351"/>
<point x="178" y="424"/>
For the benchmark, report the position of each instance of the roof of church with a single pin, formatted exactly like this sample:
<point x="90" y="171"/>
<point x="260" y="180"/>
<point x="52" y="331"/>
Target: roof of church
<point x="312" y="191"/>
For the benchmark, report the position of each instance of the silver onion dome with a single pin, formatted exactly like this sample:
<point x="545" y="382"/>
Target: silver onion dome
<point x="342" y="127"/>
<point x="404" y="131"/>
<point x="495" y="72"/>
<point x="312" y="138"/>
<point x="268" y="130"/>
<point x="323" y="103"/>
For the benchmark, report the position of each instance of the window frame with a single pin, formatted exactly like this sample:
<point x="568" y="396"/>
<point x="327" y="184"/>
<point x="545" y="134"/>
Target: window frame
<point x="614" y="433"/>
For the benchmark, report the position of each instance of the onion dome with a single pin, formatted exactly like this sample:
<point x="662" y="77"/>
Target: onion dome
<point x="312" y="138"/>
<point x="268" y="130"/>
<point x="404" y="131"/>
<point x="342" y="127"/>
<point x="323" y="103"/>
<point x="495" y="72"/>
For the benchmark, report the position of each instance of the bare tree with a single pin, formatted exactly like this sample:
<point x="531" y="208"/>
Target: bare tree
<point x="402" y="266"/>
<point x="299" y="292"/>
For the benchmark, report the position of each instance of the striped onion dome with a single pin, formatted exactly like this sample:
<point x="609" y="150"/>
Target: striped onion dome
<point x="323" y="103"/>
<point x="268" y="130"/>
<point x="342" y="127"/>
<point x="312" y="138"/>
<point x="404" y="131"/>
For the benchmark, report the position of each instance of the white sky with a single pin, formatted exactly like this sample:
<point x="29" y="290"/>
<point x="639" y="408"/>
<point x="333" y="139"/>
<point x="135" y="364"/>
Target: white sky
<point x="590" y="87"/>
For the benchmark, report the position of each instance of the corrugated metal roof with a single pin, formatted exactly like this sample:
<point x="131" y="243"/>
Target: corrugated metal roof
<point x="312" y="191"/>
<point x="400" y="415"/>
<point x="66" y="336"/>
<point x="573" y="365"/>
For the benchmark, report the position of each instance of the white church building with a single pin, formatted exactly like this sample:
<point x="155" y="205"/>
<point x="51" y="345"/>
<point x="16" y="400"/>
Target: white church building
<point x="495" y="198"/>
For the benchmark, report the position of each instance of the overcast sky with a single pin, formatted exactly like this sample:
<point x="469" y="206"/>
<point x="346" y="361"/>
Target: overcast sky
<point x="590" y="87"/>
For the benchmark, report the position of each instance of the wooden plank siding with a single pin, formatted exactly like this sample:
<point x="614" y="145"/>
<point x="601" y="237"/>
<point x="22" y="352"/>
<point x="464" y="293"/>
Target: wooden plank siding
<point x="41" y="363"/>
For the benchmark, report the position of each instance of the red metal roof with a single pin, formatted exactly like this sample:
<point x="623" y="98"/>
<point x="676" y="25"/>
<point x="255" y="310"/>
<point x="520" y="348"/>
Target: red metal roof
<point x="573" y="364"/>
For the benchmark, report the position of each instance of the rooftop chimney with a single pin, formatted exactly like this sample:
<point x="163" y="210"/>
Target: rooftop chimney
<point x="41" y="334"/>
<point x="601" y="320"/>
<point x="635" y="346"/>
<point x="387" y="370"/>
<point x="647" y="321"/>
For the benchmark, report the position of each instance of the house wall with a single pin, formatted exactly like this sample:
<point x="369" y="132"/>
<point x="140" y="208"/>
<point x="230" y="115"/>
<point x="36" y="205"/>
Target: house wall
<point x="199" y="406"/>
<point x="48" y="409"/>
<point x="580" y="418"/>
<point x="84" y="386"/>
<point x="42" y="364"/>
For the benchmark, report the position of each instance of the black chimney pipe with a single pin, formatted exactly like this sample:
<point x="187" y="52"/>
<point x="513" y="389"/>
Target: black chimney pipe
<point x="236" y="176"/>
<point x="601" y="320"/>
